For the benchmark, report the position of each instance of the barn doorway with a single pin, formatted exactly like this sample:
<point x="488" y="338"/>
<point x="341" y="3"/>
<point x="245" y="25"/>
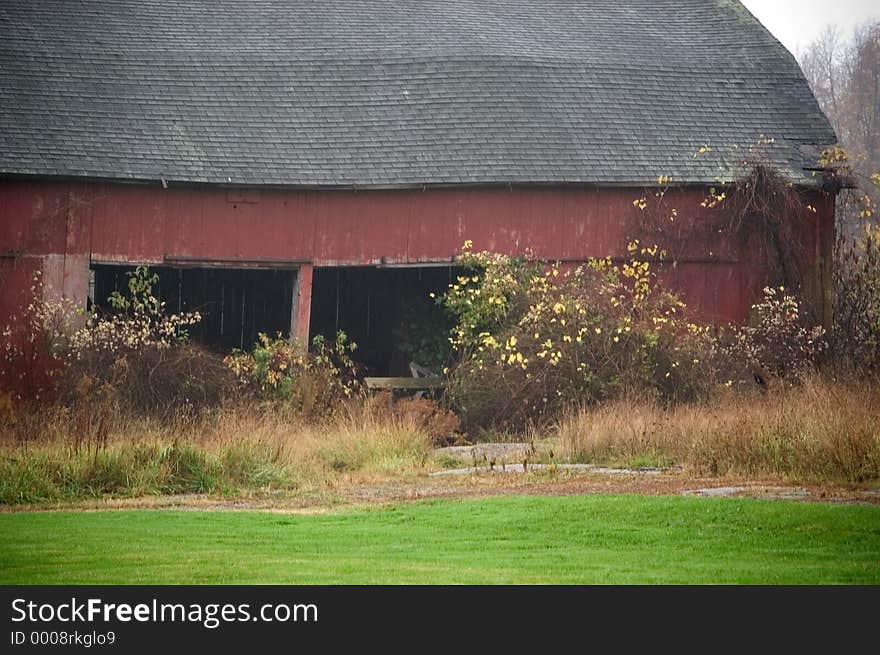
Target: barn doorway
<point x="387" y="311"/>
<point x="236" y="304"/>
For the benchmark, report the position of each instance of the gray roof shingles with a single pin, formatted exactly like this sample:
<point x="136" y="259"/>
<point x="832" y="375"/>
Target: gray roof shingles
<point x="395" y="92"/>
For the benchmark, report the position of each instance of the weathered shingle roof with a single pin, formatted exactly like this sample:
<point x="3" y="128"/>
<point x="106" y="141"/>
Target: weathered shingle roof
<point x="396" y="92"/>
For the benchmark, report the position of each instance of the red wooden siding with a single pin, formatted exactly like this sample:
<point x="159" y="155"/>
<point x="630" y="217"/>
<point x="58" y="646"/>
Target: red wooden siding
<point x="73" y="223"/>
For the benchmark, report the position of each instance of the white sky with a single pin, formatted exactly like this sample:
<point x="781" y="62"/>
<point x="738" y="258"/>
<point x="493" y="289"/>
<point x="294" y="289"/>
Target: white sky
<point x="796" y="23"/>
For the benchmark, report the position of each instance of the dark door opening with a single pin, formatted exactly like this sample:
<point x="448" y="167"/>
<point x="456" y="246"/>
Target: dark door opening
<point x="236" y="304"/>
<point x="387" y="312"/>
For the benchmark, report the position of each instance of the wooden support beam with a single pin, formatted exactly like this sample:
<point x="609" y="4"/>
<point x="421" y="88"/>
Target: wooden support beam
<point x="301" y="311"/>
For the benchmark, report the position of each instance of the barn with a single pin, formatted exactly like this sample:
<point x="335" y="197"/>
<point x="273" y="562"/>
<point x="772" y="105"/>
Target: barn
<point x="305" y="166"/>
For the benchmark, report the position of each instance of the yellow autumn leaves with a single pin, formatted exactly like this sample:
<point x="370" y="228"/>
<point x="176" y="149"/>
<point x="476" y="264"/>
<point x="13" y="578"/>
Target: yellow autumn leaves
<point x="525" y="313"/>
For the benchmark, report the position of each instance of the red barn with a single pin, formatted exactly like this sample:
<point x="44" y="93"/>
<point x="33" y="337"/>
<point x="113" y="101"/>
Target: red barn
<point x="306" y="166"/>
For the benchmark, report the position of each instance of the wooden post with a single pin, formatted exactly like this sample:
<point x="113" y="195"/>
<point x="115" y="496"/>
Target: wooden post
<point x="301" y="310"/>
<point x="827" y="241"/>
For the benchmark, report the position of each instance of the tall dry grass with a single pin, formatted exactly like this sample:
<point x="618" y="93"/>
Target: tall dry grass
<point x="54" y="455"/>
<point x="817" y="430"/>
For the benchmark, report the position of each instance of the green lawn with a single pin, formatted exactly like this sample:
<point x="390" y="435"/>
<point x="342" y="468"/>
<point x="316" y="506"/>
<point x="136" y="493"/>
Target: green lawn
<point x="574" y="539"/>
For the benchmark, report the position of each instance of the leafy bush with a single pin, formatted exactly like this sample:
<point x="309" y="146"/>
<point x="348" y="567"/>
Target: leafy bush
<point x="139" y="358"/>
<point x="136" y="357"/>
<point x="311" y="384"/>
<point x="778" y="342"/>
<point x="139" y="321"/>
<point x="534" y="339"/>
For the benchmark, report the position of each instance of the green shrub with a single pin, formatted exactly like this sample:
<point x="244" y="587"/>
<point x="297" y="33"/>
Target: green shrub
<point x="311" y="384"/>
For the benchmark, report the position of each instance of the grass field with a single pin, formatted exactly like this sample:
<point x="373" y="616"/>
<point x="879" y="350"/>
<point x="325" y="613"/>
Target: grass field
<point x="572" y="539"/>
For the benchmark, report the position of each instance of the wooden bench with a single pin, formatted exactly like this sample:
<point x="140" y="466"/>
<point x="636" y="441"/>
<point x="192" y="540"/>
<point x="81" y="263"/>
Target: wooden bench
<point x="408" y="384"/>
<point x="423" y="381"/>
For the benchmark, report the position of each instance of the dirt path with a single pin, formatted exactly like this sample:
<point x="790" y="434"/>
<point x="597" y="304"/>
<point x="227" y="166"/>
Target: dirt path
<point x="484" y="484"/>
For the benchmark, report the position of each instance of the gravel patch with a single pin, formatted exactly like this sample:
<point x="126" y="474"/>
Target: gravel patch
<point x="716" y="491"/>
<point x="773" y="493"/>
<point x="520" y="468"/>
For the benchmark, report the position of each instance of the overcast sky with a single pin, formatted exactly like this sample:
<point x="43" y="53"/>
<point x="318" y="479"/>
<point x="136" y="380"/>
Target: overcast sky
<point x="796" y="23"/>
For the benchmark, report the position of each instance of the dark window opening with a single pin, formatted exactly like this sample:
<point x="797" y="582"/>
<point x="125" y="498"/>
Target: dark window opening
<point x="387" y="312"/>
<point x="236" y="304"/>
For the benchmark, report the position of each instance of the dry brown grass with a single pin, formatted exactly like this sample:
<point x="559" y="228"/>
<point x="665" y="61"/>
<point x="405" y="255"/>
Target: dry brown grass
<point x="365" y="437"/>
<point x="55" y="455"/>
<point x="818" y="430"/>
